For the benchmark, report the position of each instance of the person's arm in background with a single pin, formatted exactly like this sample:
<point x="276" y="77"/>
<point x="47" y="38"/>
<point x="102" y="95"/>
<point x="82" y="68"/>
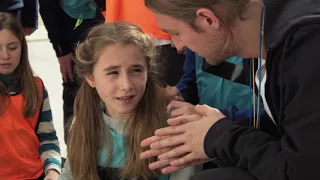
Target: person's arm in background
<point x="29" y="16"/>
<point x="53" y="18"/>
<point x="187" y="85"/>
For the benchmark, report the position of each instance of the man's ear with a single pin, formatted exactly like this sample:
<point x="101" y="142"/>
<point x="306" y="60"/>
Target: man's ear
<point x="206" y="18"/>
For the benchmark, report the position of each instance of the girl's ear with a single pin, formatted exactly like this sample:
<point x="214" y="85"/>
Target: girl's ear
<point x="90" y="80"/>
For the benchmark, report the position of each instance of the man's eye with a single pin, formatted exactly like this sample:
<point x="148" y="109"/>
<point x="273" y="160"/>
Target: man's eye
<point x="136" y="70"/>
<point x="112" y="73"/>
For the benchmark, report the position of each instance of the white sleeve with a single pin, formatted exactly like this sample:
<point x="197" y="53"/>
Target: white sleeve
<point x="66" y="172"/>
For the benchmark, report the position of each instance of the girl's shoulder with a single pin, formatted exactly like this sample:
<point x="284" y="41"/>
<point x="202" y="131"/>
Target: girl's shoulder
<point x="38" y="79"/>
<point x="39" y="83"/>
<point x="41" y="88"/>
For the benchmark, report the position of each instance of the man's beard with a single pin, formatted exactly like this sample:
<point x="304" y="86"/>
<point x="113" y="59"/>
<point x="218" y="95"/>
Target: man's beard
<point x="224" y="55"/>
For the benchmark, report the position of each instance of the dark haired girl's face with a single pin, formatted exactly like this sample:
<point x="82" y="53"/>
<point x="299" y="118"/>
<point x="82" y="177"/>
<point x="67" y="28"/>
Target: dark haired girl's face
<point x="10" y="52"/>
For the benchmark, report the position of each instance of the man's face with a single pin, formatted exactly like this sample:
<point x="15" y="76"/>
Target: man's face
<point x="206" y="41"/>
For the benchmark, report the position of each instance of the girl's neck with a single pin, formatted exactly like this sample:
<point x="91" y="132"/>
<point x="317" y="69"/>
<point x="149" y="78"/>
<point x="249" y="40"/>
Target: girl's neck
<point x="10" y="82"/>
<point x="7" y="78"/>
<point x="118" y="116"/>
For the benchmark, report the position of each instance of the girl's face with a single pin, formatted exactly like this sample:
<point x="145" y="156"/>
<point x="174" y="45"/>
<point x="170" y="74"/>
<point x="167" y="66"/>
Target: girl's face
<point x="120" y="78"/>
<point x="10" y="52"/>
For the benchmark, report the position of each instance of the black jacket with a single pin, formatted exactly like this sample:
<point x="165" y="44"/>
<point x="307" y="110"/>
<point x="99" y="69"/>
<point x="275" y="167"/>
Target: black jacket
<point x="29" y="10"/>
<point x="8" y="5"/>
<point x="292" y="39"/>
<point x="60" y="26"/>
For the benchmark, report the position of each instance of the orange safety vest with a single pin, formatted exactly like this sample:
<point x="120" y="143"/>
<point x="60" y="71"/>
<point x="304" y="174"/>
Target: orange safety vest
<point x="19" y="152"/>
<point x="134" y="11"/>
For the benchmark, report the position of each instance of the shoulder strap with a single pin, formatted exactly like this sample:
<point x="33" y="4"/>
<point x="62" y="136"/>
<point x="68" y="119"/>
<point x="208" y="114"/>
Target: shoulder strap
<point x="40" y="86"/>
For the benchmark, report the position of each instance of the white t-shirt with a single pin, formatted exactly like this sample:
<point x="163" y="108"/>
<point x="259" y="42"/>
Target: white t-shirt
<point x="262" y="91"/>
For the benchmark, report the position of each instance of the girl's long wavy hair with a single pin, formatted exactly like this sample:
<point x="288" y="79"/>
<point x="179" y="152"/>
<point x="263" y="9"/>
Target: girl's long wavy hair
<point x="23" y="72"/>
<point x="88" y="132"/>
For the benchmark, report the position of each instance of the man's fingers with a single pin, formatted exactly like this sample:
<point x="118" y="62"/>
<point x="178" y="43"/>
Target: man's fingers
<point x="204" y="110"/>
<point x="73" y="58"/>
<point x="171" y="169"/>
<point x="183" y="111"/>
<point x="183" y="119"/>
<point x="64" y="74"/>
<point x="187" y="159"/>
<point x="175" y="152"/>
<point x="169" y="131"/>
<point x="150" y="140"/>
<point x="169" y="142"/>
<point x="152" y="153"/>
<point x="159" y="164"/>
<point x="70" y="74"/>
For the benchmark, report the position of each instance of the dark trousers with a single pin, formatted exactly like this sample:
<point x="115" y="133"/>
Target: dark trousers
<point x="69" y="93"/>
<point x="223" y="174"/>
<point x="70" y="89"/>
<point x="171" y="65"/>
